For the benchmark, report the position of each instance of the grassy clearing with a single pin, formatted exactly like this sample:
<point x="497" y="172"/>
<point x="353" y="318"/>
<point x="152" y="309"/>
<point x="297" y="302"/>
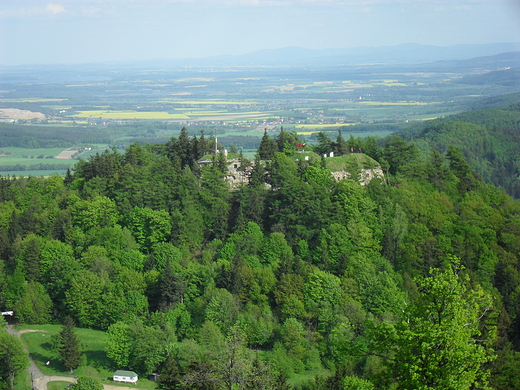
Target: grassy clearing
<point x="57" y="385"/>
<point x="35" y="173"/>
<point x="26" y="158"/>
<point x="94" y="362"/>
<point x="19" y="152"/>
<point x="351" y="162"/>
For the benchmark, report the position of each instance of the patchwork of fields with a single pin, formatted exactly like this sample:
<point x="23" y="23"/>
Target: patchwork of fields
<point x="238" y="104"/>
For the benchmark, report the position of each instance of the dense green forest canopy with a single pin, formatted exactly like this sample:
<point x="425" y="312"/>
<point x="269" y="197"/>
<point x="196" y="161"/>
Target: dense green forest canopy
<point x="28" y="136"/>
<point x="411" y="281"/>
<point x="488" y="137"/>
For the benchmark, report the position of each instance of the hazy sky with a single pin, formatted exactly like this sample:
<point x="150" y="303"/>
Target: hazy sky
<point x="84" y="31"/>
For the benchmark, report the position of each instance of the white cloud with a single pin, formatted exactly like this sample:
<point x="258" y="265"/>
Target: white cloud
<point x="55" y="8"/>
<point x="35" y="11"/>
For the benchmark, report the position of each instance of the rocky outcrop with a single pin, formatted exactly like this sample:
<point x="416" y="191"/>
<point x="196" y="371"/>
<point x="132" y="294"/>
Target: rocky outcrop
<point x="365" y="175"/>
<point x="237" y="176"/>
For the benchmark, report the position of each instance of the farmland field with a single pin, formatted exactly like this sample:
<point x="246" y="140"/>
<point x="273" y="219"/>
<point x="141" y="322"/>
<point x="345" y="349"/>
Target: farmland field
<point x="116" y="108"/>
<point x="129" y="114"/>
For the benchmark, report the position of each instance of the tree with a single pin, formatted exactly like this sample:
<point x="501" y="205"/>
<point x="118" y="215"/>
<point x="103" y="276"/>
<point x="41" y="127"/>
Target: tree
<point x="268" y="147"/>
<point x="84" y="297"/>
<point x="341" y="146"/>
<point x="461" y="169"/>
<point x="138" y="347"/>
<point x="35" y="305"/>
<point x="439" y="342"/>
<point x="257" y="178"/>
<point x="399" y="153"/>
<point x="437" y="169"/>
<point x="13" y="358"/>
<point x="148" y="226"/>
<point x="172" y="288"/>
<point x="86" y="383"/>
<point x="355" y="383"/>
<point x="118" y="344"/>
<point x="228" y="364"/>
<point x="69" y="345"/>
<point x="324" y="144"/>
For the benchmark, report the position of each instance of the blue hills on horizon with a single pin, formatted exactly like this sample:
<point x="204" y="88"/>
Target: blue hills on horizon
<point x="506" y="54"/>
<point x="404" y="54"/>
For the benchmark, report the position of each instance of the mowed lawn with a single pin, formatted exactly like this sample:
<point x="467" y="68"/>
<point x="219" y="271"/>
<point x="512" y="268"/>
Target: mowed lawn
<point x="94" y="361"/>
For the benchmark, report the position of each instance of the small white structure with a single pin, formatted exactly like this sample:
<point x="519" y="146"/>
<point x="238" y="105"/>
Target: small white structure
<point x="125" y="376"/>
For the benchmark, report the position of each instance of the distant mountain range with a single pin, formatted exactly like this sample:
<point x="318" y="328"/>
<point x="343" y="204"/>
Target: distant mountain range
<point x="405" y="54"/>
<point x="490" y="56"/>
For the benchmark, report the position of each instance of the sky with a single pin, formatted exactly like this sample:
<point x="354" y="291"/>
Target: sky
<point x="88" y="31"/>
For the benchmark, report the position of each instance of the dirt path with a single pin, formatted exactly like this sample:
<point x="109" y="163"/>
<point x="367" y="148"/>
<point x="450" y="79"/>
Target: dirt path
<point x="39" y="381"/>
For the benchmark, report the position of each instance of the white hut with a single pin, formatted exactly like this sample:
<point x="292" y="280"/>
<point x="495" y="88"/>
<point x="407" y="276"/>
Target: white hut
<point x="125" y="376"/>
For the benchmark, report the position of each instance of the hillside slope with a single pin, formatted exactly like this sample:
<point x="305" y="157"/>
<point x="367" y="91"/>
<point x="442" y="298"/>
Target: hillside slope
<point x="489" y="138"/>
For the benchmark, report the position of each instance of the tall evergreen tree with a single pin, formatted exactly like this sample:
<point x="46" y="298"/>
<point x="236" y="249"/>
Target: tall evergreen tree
<point x="341" y="146"/>
<point x="172" y="288"/>
<point x="268" y="147"/>
<point x="461" y="169"/>
<point x="324" y="144"/>
<point x="69" y="345"/>
<point x="257" y="174"/>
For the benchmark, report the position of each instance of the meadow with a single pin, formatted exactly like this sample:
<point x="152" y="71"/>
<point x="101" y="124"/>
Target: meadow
<point x="94" y="362"/>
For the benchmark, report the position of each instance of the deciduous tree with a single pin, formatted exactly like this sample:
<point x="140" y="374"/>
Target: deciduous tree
<point x="86" y="383"/>
<point x="438" y="343"/>
<point x="13" y="358"/>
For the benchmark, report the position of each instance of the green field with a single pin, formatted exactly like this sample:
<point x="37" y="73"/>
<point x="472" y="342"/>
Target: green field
<point x="57" y="385"/>
<point x="375" y="103"/>
<point x="94" y="362"/>
<point x="28" y="160"/>
<point x="128" y="114"/>
<point x="320" y="126"/>
<point x="16" y="155"/>
<point x="35" y="173"/>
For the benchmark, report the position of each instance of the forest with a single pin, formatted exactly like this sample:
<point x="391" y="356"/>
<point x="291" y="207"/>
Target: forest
<point x="488" y="137"/>
<point x="295" y="280"/>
